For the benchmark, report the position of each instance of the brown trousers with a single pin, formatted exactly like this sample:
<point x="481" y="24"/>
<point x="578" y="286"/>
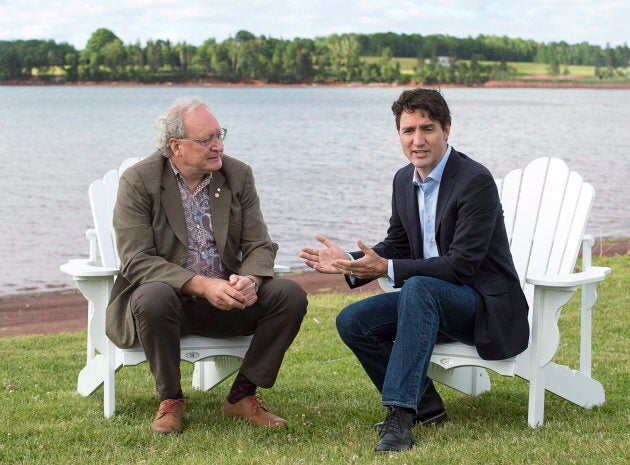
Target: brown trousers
<point x="162" y="317"/>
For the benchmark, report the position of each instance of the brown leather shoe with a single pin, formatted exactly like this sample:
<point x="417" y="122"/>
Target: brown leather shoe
<point x="251" y="409"/>
<point x="168" y="419"/>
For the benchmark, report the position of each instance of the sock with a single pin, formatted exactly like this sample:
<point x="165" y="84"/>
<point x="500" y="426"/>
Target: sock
<point x="241" y="388"/>
<point x="179" y="395"/>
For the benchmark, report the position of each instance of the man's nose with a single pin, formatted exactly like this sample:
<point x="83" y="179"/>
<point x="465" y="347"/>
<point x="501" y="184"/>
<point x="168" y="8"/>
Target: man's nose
<point x="418" y="138"/>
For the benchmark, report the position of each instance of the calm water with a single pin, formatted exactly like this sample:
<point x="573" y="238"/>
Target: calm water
<point x="323" y="158"/>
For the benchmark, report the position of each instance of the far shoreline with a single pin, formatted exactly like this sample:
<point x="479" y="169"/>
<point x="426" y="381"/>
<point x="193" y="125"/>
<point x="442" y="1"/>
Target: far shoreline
<point x="543" y="82"/>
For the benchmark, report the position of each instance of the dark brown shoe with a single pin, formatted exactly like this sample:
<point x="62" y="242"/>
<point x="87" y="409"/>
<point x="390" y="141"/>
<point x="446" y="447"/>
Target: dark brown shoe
<point x="168" y="419"/>
<point x="251" y="409"/>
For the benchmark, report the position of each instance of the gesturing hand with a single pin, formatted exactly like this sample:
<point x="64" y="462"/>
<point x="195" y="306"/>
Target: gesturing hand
<point x="321" y="259"/>
<point x="370" y="266"/>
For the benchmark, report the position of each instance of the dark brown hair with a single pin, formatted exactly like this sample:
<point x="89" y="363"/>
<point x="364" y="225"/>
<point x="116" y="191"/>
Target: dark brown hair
<point x="429" y="101"/>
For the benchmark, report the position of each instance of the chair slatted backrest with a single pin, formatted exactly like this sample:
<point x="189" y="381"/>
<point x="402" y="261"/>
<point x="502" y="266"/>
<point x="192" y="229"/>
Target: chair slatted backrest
<point x="546" y="208"/>
<point x="102" y="193"/>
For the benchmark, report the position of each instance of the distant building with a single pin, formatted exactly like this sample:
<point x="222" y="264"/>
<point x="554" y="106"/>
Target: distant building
<point x="441" y="61"/>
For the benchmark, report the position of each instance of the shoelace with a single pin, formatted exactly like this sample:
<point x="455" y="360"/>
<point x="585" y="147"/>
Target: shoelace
<point x="392" y="423"/>
<point x="257" y="403"/>
<point x="168" y="406"/>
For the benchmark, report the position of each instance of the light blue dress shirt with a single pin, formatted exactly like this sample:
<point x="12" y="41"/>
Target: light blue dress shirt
<point x="427" y="192"/>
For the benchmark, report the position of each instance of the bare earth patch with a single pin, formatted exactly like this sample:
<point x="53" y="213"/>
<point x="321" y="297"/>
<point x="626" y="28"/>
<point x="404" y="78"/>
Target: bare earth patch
<point x="66" y="311"/>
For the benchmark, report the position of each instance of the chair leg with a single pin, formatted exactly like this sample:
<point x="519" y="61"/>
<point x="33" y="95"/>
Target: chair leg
<point x="573" y="385"/>
<point x="109" y="385"/>
<point x="536" y="407"/>
<point x="92" y="375"/>
<point x="210" y="372"/>
<point x="470" y="380"/>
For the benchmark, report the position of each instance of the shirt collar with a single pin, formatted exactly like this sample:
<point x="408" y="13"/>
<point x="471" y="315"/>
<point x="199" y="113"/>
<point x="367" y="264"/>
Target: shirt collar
<point x="174" y="168"/>
<point x="204" y="182"/>
<point x="438" y="171"/>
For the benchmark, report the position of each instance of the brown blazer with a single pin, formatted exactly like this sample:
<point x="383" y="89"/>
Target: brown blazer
<point x="152" y="239"/>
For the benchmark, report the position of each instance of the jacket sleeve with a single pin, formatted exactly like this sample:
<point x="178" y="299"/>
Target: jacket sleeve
<point x="134" y="223"/>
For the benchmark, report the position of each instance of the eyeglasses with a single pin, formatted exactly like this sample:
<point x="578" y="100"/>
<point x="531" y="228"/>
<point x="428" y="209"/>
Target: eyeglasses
<point x="209" y="140"/>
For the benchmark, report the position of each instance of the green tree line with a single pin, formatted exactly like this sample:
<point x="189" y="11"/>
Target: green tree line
<point x="334" y="58"/>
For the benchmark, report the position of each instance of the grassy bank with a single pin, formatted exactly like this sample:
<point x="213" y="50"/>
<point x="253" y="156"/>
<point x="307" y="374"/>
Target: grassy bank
<point x="408" y="65"/>
<point x="525" y="71"/>
<point x="327" y="399"/>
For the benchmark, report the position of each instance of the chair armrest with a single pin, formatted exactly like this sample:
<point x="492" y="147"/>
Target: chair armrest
<point x="591" y="275"/>
<point x="385" y="286"/>
<point x="279" y="270"/>
<point x="551" y="293"/>
<point x="83" y="268"/>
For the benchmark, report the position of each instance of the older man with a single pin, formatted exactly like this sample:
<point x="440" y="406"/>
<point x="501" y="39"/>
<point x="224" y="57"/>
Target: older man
<point x="196" y="258"/>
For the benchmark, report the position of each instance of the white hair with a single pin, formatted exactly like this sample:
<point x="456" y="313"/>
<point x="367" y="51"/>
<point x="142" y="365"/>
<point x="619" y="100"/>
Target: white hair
<point x="171" y="123"/>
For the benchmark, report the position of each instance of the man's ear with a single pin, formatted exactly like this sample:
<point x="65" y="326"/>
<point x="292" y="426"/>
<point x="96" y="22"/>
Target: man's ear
<point x="174" y="144"/>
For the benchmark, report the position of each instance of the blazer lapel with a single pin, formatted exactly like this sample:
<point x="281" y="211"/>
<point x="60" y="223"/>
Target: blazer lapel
<point x="446" y="187"/>
<point x="220" y="203"/>
<point x="411" y="197"/>
<point x="171" y="201"/>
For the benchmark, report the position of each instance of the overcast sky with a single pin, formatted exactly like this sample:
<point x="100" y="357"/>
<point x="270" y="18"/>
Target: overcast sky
<point x="595" y="21"/>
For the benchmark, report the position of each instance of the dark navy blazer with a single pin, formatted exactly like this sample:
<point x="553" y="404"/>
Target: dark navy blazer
<point x="473" y="246"/>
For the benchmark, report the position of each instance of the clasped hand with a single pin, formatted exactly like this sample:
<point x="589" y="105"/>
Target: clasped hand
<point x="238" y="292"/>
<point x="333" y="260"/>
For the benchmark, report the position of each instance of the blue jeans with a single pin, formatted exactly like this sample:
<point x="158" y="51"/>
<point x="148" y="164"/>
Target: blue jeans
<point x="393" y="334"/>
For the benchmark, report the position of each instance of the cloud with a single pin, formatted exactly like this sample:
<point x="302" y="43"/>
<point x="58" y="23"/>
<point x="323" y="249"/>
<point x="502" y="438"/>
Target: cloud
<point x="194" y="21"/>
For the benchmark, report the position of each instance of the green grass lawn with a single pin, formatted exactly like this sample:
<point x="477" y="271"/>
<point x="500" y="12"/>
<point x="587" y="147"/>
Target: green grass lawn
<point x="407" y="66"/>
<point x="525" y="69"/>
<point x="327" y="398"/>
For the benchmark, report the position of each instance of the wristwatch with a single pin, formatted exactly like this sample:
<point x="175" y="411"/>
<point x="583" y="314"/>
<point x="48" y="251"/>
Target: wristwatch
<point x="254" y="283"/>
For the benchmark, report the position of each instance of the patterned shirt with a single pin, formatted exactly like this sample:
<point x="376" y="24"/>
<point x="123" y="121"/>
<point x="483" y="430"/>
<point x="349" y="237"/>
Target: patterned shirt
<point x="203" y="255"/>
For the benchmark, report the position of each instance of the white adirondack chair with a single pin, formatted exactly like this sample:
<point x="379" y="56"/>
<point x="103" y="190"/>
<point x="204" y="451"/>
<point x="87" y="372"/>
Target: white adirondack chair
<point x="215" y="358"/>
<point x="546" y="209"/>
